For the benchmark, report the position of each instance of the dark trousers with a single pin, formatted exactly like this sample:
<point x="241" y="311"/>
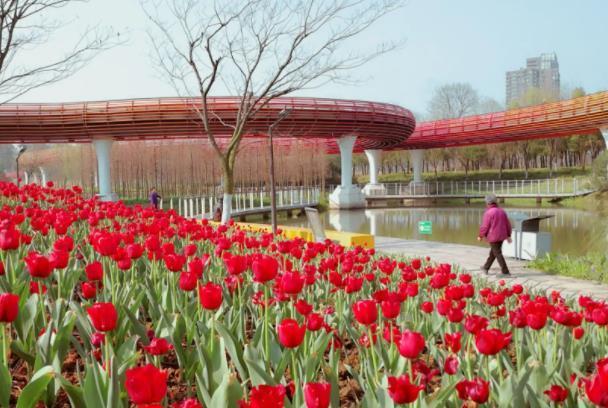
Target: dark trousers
<point x="496" y="253"/>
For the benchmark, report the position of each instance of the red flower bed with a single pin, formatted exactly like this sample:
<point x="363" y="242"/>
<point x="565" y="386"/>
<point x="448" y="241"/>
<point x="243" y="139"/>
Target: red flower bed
<point x="107" y="305"/>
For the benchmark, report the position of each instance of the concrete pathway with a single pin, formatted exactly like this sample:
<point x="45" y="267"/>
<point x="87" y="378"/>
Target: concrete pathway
<point x="472" y="257"/>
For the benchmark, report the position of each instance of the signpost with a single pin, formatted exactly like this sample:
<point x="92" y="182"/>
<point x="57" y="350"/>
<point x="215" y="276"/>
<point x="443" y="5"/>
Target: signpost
<point x="425" y="227"/>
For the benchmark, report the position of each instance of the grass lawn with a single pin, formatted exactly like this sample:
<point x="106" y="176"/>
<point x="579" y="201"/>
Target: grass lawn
<point x="591" y="267"/>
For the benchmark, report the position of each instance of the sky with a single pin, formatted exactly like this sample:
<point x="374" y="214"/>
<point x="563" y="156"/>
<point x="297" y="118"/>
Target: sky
<point x="474" y="41"/>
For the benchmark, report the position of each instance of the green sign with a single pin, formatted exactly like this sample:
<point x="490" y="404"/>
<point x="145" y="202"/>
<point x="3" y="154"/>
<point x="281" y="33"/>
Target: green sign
<point x="425" y="227"/>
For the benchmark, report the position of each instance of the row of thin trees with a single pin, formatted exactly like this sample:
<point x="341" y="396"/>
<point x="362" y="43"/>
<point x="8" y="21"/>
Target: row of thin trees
<point x="177" y="168"/>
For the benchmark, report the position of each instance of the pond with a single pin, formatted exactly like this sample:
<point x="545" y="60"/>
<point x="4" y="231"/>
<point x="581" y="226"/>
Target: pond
<point x="573" y="231"/>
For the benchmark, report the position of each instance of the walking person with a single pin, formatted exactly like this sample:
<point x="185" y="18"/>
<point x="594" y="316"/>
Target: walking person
<point x="217" y="214"/>
<point x="495" y="228"/>
<point x="154" y="198"/>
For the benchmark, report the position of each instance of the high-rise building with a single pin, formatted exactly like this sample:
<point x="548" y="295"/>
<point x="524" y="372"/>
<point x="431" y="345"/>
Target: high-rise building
<point x="540" y="72"/>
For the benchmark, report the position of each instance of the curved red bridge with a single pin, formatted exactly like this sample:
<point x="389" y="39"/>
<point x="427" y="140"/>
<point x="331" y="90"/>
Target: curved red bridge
<point x="584" y="115"/>
<point x="376" y="125"/>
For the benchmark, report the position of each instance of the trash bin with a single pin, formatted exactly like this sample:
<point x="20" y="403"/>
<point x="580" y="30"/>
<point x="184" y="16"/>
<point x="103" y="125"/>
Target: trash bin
<point x="528" y="242"/>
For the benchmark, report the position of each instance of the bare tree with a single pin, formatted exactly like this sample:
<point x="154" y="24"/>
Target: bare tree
<point x="26" y="24"/>
<point x="453" y="101"/>
<point x="257" y="50"/>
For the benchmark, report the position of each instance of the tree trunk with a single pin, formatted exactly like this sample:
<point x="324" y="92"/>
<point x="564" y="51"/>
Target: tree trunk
<point x="228" y="187"/>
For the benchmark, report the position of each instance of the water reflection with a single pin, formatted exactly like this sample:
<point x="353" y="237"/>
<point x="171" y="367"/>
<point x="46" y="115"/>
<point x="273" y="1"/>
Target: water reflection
<point x="574" y="231"/>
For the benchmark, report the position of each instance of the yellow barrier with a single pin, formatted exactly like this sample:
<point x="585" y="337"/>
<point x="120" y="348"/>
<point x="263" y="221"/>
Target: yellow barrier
<point x="347" y="239"/>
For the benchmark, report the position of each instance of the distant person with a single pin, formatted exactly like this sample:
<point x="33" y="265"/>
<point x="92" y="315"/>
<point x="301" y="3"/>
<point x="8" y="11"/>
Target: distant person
<point x="217" y="213"/>
<point x="495" y="228"/>
<point x="154" y="198"/>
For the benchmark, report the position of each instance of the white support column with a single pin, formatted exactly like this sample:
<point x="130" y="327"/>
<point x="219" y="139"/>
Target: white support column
<point x="417" y="157"/>
<point x="346" y="195"/>
<point x="42" y="176"/>
<point x="604" y="132"/>
<point x="103" y="150"/>
<point x="373" y="187"/>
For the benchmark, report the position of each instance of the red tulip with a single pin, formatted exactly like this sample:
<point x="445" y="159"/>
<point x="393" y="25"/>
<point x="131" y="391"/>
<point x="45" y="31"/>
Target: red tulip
<point x="158" y="347"/>
<point x="196" y="267"/>
<point x="411" y="344"/>
<point x="38" y="265"/>
<point x="9" y="239"/>
<point x="556" y="393"/>
<point x="452" y="341"/>
<point x="9" y="307"/>
<point x="314" y="322"/>
<point x="290" y="333"/>
<point x="94" y="271"/>
<point x="578" y="332"/>
<point x="450" y="366"/>
<point x="235" y="264"/>
<point x="303" y="307"/>
<point x="210" y="295"/>
<point x="187" y="281"/>
<point x="103" y="316"/>
<point x="365" y="311"/>
<point x="390" y="309"/>
<point x="146" y="384"/>
<point x="1" y="268"/>
<point x="596" y="387"/>
<point x="106" y="244"/>
<point x="402" y="390"/>
<point x="475" y="323"/>
<point x="416" y="263"/>
<point x="292" y="283"/>
<point x="135" y="251"/>
<point x="265" y="396"/>
<point x="89" y="290"/>
<point x="97" y="339"/>
<point x="492" y="341"/>
<point x="427" y="307"/>
<point x="59" y="259"/>
<point x="264" y="268"/>
<point x="476" y="389"/>
<point x="317" y="395"/>
<point x="174" y="262"/>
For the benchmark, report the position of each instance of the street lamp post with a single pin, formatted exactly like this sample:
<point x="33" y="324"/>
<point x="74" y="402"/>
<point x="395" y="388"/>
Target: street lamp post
<point x="273" y="199"/>
<point x="21" y="150"/>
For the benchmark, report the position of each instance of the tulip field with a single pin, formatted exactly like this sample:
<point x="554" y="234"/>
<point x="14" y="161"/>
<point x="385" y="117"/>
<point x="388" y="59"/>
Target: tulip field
<point x="106" y="305"/>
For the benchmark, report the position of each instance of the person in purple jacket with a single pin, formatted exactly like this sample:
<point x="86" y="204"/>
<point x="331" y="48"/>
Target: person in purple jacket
<point x="495" y="228"/>
<point x="154" y="198"/>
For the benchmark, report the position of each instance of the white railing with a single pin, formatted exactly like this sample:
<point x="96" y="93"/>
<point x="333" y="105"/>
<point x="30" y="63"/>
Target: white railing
<point x="501" y="188"/>
<point x="245" y="201"/>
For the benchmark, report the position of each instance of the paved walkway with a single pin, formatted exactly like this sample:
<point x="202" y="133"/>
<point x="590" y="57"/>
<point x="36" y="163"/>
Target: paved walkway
<point x="472" y="257"/>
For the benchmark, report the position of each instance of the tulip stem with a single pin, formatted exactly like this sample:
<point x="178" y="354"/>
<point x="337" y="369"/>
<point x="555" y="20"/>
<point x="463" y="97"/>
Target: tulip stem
<point x="40" y="297"/>
<point x="266" y="318"/>
<point x="4" y="358"/>
<point x="295" y="378"/>
<point x="373" y="352"/>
